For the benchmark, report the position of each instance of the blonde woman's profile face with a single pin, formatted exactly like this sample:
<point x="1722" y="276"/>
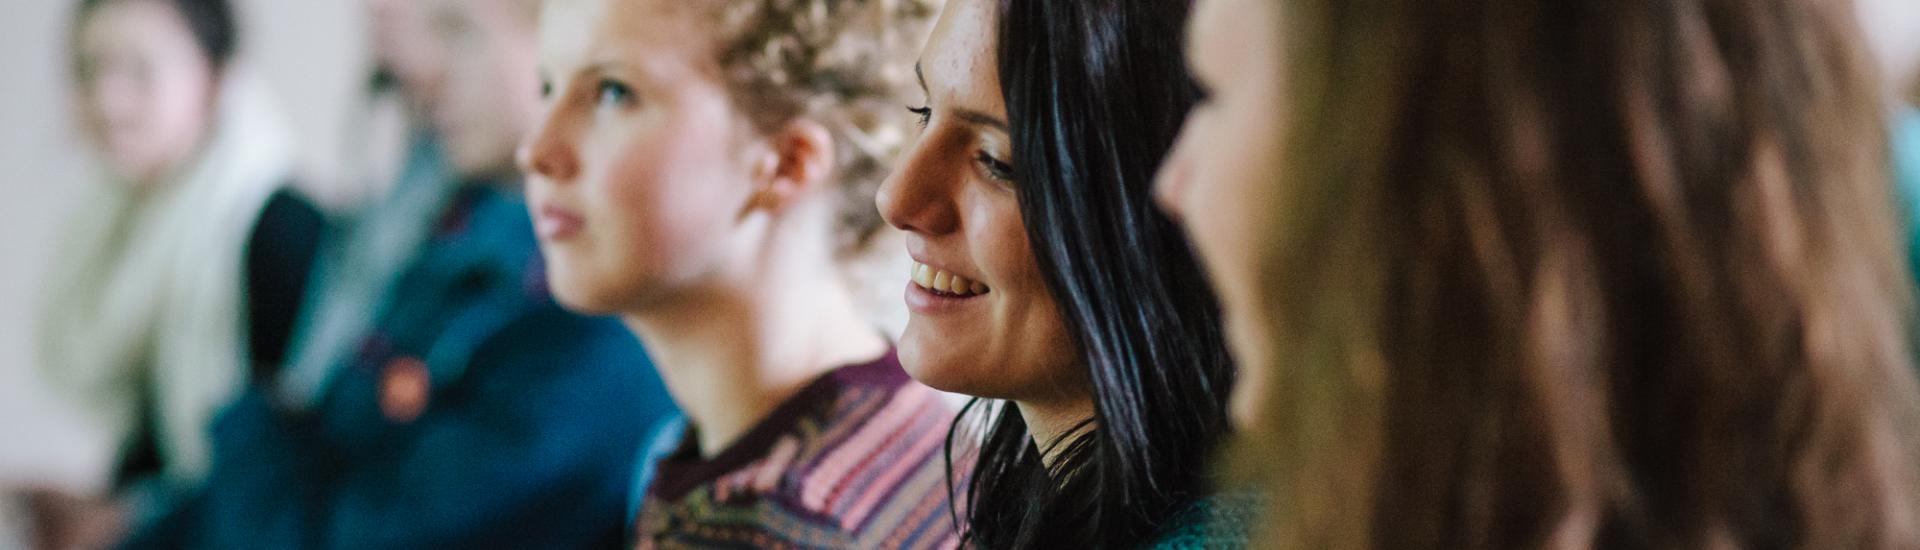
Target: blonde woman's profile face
<point x="640" y="167"/>
<point x="1221" y="179"/>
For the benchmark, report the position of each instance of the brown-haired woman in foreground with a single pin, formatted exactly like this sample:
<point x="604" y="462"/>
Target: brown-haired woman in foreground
<point x="1568" y="274"/>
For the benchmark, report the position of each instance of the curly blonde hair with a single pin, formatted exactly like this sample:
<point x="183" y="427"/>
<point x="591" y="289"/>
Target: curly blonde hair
<point x="847" y="64"/>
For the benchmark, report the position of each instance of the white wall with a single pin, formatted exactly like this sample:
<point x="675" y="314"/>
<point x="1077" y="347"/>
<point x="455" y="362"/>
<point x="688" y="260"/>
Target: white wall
<point x="312" y="54"/>
<point x="1892" y="29"/>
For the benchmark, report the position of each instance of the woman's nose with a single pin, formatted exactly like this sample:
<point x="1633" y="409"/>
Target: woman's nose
<point x="1170" y="185"/>
<point x="546" y="153"/>
<point x="918" y="197"/>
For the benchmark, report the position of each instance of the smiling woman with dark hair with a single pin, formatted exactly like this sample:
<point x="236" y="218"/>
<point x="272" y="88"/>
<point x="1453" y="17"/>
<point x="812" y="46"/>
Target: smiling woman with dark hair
<point x="1045" y="277"/>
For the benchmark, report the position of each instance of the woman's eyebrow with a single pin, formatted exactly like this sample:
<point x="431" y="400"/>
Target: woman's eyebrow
<point x="971" y="116"/>
<point x="595" y="68"/>
<point x="980" y="119"/>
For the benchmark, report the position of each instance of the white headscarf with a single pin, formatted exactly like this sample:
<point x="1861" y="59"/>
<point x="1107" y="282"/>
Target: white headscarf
<point x="151" y="282"/>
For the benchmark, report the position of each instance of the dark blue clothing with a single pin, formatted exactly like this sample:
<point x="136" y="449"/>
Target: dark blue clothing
<point x="280" y="255"/>
<point x="531" y="424"/>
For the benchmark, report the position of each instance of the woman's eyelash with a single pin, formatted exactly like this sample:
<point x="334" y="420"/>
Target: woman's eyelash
<point x="925" y="114"/>
<point x="996" y="169"/>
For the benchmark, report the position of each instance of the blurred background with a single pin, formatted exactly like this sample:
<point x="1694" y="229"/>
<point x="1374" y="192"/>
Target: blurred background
<point x="312" y="55"/>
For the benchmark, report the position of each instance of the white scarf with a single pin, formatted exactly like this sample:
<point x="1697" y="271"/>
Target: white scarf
<point x="150" y="285"/>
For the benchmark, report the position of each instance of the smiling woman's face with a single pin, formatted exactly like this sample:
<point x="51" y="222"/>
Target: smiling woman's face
<point x="982" y="320"/>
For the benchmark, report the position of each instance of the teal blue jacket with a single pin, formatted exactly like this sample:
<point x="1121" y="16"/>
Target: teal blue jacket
<point x="1906" y="175"/>
<point x="531" y="416"/>
<point x="1219" y="522"/>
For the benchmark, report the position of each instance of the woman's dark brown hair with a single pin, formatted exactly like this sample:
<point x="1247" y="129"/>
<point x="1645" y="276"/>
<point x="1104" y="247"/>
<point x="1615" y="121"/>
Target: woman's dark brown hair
<point x="1616" y="274"/>
<point x="212" y="23"/>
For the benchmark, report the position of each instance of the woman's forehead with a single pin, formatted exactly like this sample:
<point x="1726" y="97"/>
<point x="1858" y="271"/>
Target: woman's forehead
<point x="650" y="36"/>
<point x="959" y="61"/>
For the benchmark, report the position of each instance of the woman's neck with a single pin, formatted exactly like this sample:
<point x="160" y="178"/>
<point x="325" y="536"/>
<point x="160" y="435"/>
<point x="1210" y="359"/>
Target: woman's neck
<point x="732" y="353"/>
<point x="1050" y="420"/>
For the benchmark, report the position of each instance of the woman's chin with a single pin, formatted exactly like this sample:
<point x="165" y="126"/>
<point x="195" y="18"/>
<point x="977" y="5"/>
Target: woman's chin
<point x="938" y="363"/>
<point x="922" y="362"/>
<point x="579" y="296"/>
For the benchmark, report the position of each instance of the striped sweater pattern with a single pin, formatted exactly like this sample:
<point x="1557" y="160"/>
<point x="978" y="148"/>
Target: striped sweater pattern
<point x="855" y="460"/>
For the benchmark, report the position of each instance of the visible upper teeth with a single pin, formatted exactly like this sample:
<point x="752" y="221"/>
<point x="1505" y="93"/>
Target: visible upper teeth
<point x="942" y="281"/>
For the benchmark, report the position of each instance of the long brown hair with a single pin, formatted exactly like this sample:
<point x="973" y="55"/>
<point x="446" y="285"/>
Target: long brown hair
<point x="1572" y="274"/>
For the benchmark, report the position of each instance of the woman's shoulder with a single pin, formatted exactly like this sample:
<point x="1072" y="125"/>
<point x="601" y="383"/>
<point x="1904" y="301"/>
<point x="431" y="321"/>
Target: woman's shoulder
<point x="1219" y="521"/>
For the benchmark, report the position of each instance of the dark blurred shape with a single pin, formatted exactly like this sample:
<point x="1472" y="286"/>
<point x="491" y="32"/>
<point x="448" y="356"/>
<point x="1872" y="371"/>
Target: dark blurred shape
<point x="280" y="255"/>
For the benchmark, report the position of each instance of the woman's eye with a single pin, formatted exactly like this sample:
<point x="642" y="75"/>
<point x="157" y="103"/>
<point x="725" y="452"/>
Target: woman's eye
<point x="546" y="89"/>
<point x="995" y="168"/>
<point x="925" y="114"/>
<point x="614" y="94"/>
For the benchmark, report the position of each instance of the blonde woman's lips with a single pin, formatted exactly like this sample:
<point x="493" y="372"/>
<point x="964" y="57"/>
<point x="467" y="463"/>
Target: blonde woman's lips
<point x="553" y="223"/>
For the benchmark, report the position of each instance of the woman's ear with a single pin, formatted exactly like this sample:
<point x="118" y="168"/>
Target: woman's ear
<point x="799" y="158"/>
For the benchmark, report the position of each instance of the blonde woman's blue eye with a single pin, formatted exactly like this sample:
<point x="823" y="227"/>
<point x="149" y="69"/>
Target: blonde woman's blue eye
<point x="614" y="94"/>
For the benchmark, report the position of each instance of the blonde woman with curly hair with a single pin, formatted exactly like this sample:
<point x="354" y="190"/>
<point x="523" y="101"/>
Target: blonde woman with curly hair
<point x="703" y="169"/>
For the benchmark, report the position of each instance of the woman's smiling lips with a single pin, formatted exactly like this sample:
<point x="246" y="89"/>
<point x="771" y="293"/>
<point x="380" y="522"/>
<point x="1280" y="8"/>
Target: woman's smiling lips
<point x="554" y="223"/>
<point x="933" y="290"/>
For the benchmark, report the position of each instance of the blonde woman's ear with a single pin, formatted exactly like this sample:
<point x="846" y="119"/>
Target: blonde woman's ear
<point x="799" y="159"/>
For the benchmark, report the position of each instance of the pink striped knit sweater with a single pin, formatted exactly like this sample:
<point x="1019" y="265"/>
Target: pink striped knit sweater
<point x="855" y="460"/>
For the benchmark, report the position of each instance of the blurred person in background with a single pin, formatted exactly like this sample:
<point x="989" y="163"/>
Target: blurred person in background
<point x="1571" y="275"/>
<point x="179" y="277"/>
<point x="435" y="395"/>
<point x="407" y="71"/>
<point x="704" y="170"/>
